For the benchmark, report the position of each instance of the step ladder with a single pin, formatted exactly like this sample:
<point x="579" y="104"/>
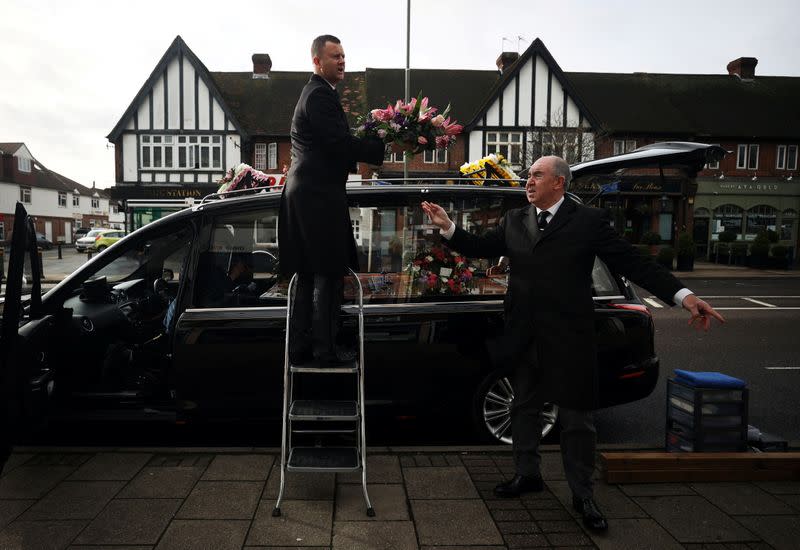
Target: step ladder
<point x="334" y="412"/>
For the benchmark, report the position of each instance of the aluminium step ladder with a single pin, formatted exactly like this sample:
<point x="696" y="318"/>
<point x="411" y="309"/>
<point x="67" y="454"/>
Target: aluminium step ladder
<point x="312" y="411"/>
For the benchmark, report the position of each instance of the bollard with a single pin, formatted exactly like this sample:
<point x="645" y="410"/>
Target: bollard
<point x="89" y="255"/>
<point x="59" y="252"/>
<point x="2" y="263"/>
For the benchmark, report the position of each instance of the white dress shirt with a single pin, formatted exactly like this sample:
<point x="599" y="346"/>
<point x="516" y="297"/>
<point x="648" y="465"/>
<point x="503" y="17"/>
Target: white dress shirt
<point x="448" y="234"/>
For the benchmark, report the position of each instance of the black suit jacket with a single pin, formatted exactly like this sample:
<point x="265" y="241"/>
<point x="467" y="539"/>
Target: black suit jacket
<point x="314" y="229"/>
<point x="549" y="301"/>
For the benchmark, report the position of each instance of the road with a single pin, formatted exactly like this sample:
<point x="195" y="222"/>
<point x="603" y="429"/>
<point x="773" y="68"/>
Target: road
<point x="759" y="343"/>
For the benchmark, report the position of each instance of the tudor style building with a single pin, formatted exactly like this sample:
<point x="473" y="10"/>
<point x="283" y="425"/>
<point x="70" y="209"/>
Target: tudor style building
<point x="187" y="126"/>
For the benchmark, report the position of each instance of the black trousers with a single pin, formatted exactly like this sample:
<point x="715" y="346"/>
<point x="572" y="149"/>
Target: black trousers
<point x="315" y="314"/>
<point x="578" y="434"/>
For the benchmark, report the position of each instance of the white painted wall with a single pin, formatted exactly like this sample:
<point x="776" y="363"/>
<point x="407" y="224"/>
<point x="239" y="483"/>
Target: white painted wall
<point x="158" y="105"/>
<point x="493" y="114"/>
<point x="540" y="114"/>
<point x="525" y="91"/>
<point x="509" y="103"/>
<point x="233" y="151"/>
<point x="128" y="157"/>
<point x="44" y="202"/>
<point x="203" y="98"/>
<point x="188" y="94"/>
<point x="475" y="145"/>
<point x="556" y="103"/>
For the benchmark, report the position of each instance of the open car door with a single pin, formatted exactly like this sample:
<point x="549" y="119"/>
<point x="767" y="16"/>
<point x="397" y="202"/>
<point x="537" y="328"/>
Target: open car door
<point x="16" y="399"/>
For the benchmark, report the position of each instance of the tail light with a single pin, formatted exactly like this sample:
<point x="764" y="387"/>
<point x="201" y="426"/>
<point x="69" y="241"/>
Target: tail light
<point x="97" y="238"/>
<point x="634" y="307"/>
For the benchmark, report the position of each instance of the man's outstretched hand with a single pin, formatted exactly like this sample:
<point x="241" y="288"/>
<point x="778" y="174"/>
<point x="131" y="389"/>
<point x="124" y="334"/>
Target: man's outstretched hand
<point x="701" y="312"/>
<point x="438" y="216"/>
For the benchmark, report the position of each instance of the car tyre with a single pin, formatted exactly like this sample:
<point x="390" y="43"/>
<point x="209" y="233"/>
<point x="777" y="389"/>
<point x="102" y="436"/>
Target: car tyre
<point x="491" y="408"/>
<point x="101" y="248"/>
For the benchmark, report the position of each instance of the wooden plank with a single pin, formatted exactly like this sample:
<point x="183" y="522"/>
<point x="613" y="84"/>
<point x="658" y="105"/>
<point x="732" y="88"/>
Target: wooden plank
<point x="679" y="476"/>
<point x="626" y="467"/>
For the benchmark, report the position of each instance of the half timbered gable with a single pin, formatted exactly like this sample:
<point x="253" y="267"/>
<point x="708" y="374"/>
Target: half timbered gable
<point x="178" y="129"/>
<point x="532" y="110"/>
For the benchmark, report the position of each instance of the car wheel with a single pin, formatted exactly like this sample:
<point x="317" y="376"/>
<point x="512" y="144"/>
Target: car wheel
<point x="101" y="248"/>
<point x="492" y="408"/>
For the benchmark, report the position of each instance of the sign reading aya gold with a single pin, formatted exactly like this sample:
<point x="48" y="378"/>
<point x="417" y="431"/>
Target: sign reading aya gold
<point x="749" y="186"/>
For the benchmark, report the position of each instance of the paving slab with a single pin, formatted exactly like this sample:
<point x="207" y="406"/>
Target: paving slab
<point x="222" y="500"/>
<point x="364" y="535"/>
<point x="694" y="519"/>
<point x="111" y="466"/>
<point x="162" y="482"/>
<point x="454" y="522"/>
<point x="204" y="534"/>
<point x="16" y="459"/>
<point x="32" y="481"/>
<point x="656" y="489"/>
<point x="517" y="527"/>
<point x="635" y="534"/>
<point x="742" y="499"/>
<point x="41" y="535"/>
<point x="130" y="521"/>
<point x="609" y="498"/>
<point x="11" y="509"/>
<point x="568" y="539"/>
<point x="780" y="487"/>
<point x="74" y="500"/>
<point x="791" y="500"/>
<point x="302" y="523"/>
<point x="439" y="483"/>
<point x="438" y="547"/>
<point x="300" y="485"/>
<point x="380" y="469"/>
<point x="248" y="467"/>
<point x="782" y="532"/>
<point x="389" y="502"/>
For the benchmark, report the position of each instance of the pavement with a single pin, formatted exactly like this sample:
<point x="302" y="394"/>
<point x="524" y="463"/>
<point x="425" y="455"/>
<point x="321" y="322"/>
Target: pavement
<point x="425" y="498"/>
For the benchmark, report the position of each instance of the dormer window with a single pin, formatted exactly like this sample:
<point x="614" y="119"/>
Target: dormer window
<point x="24" y="164"/>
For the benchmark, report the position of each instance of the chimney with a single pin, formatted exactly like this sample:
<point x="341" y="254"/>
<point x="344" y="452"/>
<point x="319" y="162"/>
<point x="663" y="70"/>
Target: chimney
<point x="505" y="60"/>
<point x="262" y="64"/>
<point x="744" y="68"/>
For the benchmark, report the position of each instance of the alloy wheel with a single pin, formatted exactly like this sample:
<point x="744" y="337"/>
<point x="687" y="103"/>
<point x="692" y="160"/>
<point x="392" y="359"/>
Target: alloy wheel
<point x="497" y="411"/>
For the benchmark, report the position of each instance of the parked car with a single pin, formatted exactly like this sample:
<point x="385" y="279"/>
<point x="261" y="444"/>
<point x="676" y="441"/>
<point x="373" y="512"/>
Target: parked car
<point x="98" y="239"/>
<point x="97" y="342"/>
<point x="81" y="232"/>
<point x="106" y="238"/>
<point x="43" y="242"/>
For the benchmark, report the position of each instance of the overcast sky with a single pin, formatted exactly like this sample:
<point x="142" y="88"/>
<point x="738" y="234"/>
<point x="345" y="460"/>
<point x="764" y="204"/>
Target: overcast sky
<point x="69" y="69"/>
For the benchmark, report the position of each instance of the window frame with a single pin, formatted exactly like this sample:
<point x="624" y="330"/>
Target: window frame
<point x="25" y="194"/>
<point x="62" y="199"/>
<point x="260" y="156"/>
<point x="95" y="203"/>
<point x="272" y="156"/>
<point x="24" y="164"/>
<point x="434" y="156"/>
<point x="179" y="153"/>
<point x="507" y="148"/>
<point x="791" y="152"/>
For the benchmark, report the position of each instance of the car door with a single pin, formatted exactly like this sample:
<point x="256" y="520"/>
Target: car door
<point x="22" y="398"/>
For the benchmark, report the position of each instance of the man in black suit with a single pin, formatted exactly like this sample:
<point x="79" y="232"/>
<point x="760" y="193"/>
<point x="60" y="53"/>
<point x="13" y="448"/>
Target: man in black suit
<point x="552" y="244"/>
<point x="314" y="231"/>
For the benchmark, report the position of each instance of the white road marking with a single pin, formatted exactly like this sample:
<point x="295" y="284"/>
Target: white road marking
<point x="776" y="308"/>
<point x="782" y="368"/>
<point x="652" y="301"/>
<point x="753" y="300"/>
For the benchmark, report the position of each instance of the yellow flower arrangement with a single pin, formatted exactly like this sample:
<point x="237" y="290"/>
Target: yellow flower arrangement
<point x="490" y="167"/>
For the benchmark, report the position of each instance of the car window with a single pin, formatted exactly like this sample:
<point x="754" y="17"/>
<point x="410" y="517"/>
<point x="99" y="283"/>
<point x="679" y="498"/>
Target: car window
<point x="149" y="257"/>
<point x="239" y="266"/>
<point x="603" y="283"/>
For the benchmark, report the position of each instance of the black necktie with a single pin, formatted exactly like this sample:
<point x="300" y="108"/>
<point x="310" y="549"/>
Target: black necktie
<point x="541" y="220"/>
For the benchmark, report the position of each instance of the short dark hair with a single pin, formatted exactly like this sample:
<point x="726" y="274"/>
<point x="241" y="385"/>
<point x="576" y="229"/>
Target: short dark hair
<point x="319" y="43"/>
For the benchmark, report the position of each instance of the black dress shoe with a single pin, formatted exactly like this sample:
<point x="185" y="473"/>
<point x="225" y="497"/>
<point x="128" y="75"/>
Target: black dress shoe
<point x="592" y="516"/>
<point x="519" y="485"/>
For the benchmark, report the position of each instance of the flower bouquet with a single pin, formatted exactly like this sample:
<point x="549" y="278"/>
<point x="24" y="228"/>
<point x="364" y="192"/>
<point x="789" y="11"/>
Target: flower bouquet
<point x="492" y="166"/>
<point x="440" y="271"/>
<point x="244" y="176"/>
<point x="415" y="123"/>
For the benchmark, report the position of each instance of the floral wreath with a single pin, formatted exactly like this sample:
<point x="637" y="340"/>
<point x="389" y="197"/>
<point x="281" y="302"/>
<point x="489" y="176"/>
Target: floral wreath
<point x="490" y="167"/>
<point x="441" y="271"/>
<point x="244" y="176"/>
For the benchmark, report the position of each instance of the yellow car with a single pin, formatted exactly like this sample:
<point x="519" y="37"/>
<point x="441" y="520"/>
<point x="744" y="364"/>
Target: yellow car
<point x="106" y="238"/>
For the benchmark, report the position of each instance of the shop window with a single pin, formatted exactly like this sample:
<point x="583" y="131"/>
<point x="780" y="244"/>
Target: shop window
<point x="727" y="217"/>
<point x="760" y="218"/>
<point x="788" y="224"/>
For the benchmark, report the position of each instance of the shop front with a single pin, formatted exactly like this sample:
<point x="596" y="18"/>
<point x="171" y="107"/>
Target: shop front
<point x="144" y="204"/>
<point x="744" y="207"/>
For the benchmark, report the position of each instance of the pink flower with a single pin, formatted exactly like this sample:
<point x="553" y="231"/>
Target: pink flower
<point x="381" y="114"/>
<point x="422" y="140"/>
<point x="442" y="142"/>
<point x="437" y="121"/>
<point x="381" y="133"/>
<point x="451" y="129"/>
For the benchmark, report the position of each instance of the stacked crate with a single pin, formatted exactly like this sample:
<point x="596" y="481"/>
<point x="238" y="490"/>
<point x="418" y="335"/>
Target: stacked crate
<point x="705" y="419"/>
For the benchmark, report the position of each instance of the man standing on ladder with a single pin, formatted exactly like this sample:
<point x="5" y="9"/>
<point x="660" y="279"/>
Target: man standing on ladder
<point x="314" y="231"/>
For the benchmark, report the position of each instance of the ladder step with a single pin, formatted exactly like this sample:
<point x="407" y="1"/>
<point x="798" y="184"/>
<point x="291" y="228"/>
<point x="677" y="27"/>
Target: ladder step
<point x="323" y="459"/>
<point x="323" y="410"/>
<point x="319" y="367"/>
<point x="324" y="432"/>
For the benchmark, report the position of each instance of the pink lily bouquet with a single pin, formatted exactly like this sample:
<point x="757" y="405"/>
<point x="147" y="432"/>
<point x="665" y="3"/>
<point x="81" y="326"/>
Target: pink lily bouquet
<point x="415" y="123"/>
